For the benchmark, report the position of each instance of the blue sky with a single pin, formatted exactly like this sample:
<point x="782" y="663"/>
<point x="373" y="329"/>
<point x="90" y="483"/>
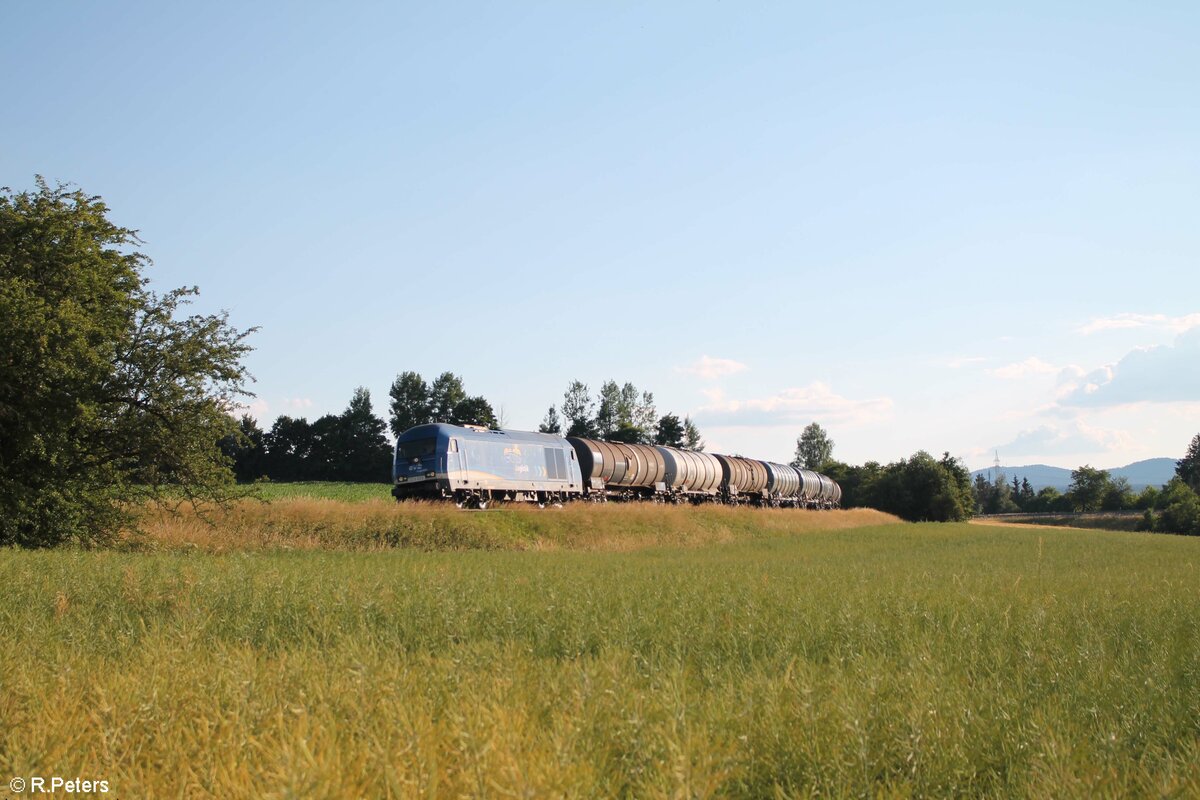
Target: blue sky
<point x="934" y="226"/>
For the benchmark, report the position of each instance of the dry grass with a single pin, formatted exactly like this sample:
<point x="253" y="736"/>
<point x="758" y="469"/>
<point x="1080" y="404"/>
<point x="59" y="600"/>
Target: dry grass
<point x="890" y="661"/>
<point x="306" y="523"/>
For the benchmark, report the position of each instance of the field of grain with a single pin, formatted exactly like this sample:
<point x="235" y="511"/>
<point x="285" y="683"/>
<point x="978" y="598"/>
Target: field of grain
<point x="774" y="658"/>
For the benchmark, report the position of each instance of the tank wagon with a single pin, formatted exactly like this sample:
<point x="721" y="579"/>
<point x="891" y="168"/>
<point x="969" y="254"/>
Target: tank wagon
<point x="474" y="466"/>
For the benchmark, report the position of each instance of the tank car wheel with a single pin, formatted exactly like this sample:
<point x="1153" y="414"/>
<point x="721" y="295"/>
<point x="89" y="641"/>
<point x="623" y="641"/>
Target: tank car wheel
<point x="482" y="505"/>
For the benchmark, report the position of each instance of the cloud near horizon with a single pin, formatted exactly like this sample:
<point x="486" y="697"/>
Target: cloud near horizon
<point x="1072" y="438"/>
<point x="793" y="406"/>
<point x="1128" y="321"/>
<point x="1023" y="369"/>
<point x="1164" y="374"/>
<point x="710" y="368"/>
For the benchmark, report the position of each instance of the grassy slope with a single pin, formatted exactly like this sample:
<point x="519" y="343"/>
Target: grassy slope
<point x="906" y="659"/>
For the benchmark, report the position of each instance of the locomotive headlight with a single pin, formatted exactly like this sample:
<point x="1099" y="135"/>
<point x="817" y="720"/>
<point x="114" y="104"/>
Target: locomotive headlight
<point x="401" y="479"/>
<point x="430" y="474"/>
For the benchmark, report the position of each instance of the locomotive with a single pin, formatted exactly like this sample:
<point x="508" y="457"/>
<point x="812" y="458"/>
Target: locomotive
<point x="474" y="466"/>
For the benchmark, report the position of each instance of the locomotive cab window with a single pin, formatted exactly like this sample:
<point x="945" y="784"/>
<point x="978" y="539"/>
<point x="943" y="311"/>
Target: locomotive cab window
<point x="418" y="449"/>
<point x="453" y="446"/>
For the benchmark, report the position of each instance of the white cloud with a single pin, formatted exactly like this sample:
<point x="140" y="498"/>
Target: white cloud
<point x="1023" y="369"/>
<point x="959" y="362"/>
<point x="297" y="403"/>
<point x="257" y="408"/>
<point x="712" y="368"/>
<point x="1071" y="438"/>
<point x="793" y="406"/>
<point x="1127" y="321"/>
<point x="1166" y="374"/>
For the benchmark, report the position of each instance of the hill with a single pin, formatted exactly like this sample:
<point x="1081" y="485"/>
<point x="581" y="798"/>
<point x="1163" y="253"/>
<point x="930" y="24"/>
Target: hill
<point x="1140" y="474"/>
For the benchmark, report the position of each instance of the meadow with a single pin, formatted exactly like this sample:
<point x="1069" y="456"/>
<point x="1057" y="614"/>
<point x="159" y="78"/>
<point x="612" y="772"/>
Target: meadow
<point x="319" y="648"/>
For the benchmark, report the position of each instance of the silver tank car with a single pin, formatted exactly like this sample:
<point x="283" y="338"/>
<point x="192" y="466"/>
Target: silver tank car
<point x="619" y="469"/>
<point x="690" y="473"/>
<point x="783" y="483"/>
<point x="742" y="479"/>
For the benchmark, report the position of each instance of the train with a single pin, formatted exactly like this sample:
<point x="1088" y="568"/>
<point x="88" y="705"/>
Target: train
<point x="475" y="466"/>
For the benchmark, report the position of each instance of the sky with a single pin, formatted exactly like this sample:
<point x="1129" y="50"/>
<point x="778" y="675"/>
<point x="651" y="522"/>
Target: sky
<point x="945" y="227"/>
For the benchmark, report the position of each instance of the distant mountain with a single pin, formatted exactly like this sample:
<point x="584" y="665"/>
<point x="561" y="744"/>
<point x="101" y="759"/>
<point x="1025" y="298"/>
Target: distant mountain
<point x="1140" y="474"/>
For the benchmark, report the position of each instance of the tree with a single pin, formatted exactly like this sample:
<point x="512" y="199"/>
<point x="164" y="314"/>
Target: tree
<point x="288" y="446"/>
<point x="364" y="453"/>
<point x="409" y="402"/>
<point x="577" y="410"/>
<point x="1118" y="496"/>
<point x="608" y="415"/>
<point x="551" y="423"/>
<point x="1179" y="509"/>
<point x="474" y="411"/>
<point x="691" y="436"/>
<point x="669" y="431"/>
<point x="920" y="488"/>
<point x="1088" y="486"/>
<point x="109" y="398"/>
<point x="246" y="451"/>
<point x="1188" y="467"/>
<point x="813" y="448"/>
<point x="444" y="395"/>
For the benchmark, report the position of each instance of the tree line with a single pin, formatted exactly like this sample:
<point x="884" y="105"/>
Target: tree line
<point x="919" y="488"/>
<point x="619" y="413"/>
<point x="1173" y="508"/>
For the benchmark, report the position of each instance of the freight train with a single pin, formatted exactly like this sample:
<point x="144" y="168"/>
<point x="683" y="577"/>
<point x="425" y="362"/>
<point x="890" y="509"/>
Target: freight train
<point x="474" y="466"/>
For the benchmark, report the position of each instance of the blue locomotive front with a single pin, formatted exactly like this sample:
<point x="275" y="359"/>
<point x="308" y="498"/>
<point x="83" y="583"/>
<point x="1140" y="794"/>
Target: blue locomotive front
<point x="474" y="465"/>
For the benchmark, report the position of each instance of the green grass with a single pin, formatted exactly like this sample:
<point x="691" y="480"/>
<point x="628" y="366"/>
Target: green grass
<point x="327" y="490"/>
<point x="898" y="660"/>
<point x="1103" y="520"/>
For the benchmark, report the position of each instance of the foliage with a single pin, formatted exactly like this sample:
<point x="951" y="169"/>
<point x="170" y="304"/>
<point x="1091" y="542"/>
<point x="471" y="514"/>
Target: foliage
<point x="474" y="411"/>
<point x="445" y="393"/>
<point x="245" y="450"/>
<point x="1118" y="495"/>
<point x="107" y="395"/>
<point x="410" y="403"/>
<point x="917" y="661"/>
<point x="1188" y="467"/>
<point x="352" y="446"/>
<point x="577" y="408"/>
<point x="669" y="431"/>
<point x="918" y="488"/>
<point x="551" y="422"/>
<point x="623" y="413"/>
<point x="1088" y="487"/>
<point x="691" y="436"/>
<point x="364" y="453"/>
<point x="814" y="448"/>
<point x="1178" y="509"/>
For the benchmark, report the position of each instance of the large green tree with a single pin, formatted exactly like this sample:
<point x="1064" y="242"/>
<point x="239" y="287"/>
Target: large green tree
<point x="445" y="394"/>
<point x="1188" y="467"/>
<point x="1088" y="487"/>
<point x="409" y="404"/>
<point x="109" y="396"/>
<point x="813" y="448"/>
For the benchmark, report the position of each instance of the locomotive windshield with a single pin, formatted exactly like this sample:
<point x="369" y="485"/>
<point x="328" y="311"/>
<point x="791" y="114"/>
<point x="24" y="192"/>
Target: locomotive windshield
<point x="416" y="450"/>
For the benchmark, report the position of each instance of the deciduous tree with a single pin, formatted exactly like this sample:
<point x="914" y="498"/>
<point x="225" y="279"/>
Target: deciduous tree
<point x="445" y="394"/>
<point x="409" y="402"/>
<point x="1088" y="486"/>
<point x="109" y="395"/>
<point x="813" y="448"/>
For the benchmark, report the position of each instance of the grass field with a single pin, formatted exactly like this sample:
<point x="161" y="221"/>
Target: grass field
<point x="1102" y="520"/>
<point x="763" y="658"/>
